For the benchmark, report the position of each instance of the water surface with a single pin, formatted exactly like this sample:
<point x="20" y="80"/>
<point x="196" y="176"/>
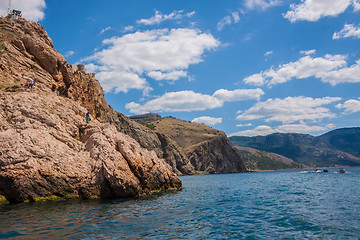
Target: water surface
<point x="263" y="205"/>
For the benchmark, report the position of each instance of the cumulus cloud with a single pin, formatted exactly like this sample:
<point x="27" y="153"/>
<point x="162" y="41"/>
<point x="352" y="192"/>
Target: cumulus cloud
<point x="121" y="81"/>
<point x="228" y="20"/>
<point x="238" y="94"/>
<point x="31" y="9"/>
<point x="183" y="101"/>
<point x="349" y="31"/>
<point x="350" y="106"/>
<point x="313" y="10"/>
<point x="172" y="76"/>
<point x="264" y="130"/>
<point x="207" y="120"/>
<point x="330" y="69"/>
<point x="158" y="18"/>
<point x="261" y="4"/>
<point x="290" y="109"/>
<point x="344" y="75"/>
<point x="186" y="101"/>
<point x="161" y="53"/>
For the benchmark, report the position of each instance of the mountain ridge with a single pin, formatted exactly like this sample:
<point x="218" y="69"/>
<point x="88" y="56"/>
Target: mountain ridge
<point x="337" y="147"/>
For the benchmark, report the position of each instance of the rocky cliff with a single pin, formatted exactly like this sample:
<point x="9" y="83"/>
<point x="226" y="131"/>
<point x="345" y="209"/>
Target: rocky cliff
<point x="207" y="150"/>
<point x="46" y="146"/>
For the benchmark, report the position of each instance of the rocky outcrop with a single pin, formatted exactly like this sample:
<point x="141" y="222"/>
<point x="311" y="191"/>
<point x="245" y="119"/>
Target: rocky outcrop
<point x="206" y="150"/>
<point x="216" y="155"/>
<point x="46" y="147"/>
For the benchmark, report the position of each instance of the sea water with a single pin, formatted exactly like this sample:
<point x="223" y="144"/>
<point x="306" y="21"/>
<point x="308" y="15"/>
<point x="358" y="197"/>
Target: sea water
<point x="262" y="205"/>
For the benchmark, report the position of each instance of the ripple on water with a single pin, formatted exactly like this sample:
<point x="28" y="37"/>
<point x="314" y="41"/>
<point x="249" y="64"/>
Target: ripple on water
<point x="268" y="205"/>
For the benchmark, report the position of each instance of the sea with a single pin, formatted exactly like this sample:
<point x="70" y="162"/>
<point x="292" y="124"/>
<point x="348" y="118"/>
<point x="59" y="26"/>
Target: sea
<point x="297" y="204"/>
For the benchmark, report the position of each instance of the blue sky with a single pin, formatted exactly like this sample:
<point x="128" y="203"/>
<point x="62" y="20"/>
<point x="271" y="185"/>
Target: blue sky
<point x="250" y="67"/>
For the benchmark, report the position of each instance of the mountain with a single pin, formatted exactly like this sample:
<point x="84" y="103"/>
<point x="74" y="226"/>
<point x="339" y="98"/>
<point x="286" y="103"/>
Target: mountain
<point x="206" y="149"/>
<point x="48" y="149"/>
<point x="338" y="147"/>
<point x="257" y="160"/>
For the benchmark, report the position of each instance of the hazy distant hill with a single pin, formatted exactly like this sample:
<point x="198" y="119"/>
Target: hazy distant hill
<point x="338" y="147"/>
<point x="260" y="160"/>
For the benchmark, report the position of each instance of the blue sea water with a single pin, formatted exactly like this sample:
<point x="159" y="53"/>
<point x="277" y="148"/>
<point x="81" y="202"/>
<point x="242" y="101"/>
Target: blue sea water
<point x="262" y="205"/>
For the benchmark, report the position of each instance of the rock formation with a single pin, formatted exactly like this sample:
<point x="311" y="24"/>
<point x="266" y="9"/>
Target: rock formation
<point x="206" y="150"/>
<point x="46" y="147"/>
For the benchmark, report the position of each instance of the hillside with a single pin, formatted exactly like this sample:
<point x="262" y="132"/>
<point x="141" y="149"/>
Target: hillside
<point x="257" y="160"/>
<point x="208" y="150"/>
<point x="47" y="149"/>
<point x="338" y="147"/>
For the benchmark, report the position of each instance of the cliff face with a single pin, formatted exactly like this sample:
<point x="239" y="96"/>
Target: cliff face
<point x="46" y="146"/>
<point x="207" y="150"/>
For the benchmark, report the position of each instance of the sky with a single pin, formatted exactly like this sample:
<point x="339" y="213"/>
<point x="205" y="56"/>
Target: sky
<point x="246" y="67"/>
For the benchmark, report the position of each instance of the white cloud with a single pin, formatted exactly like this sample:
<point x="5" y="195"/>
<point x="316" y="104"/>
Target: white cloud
<point x="69" y="53"/>
<point x="344" y="75"/>
<point x="264" y="130"/>
<point x="173" y="76"/>
<point x="244" y="125"/>
<point x="104" y="30"/>
<point x="349" y="31"/>
<point x="128" y="29"/>
<point x="308" y="52"/>
<point x="158" y="18"/>
<point x="183" y="101"/>
<point x="268" y="53"/>
<point x="238" y="94"/>
<point x="186" y="101"/>
<point x="261" y="4"/>
<point x="228" y="20"/>
<point x="207" y="120"/>
<point x="350" y="106"/>
<point x="330" y="69"/>
<point x="31" y="9"/>
<point x="313" y="10"/>
<point x="356" y="4"/>
<point x="302" y="128"/>
<point x="164" y="51"/>
<point x="121" y="81"/>
<point x="290" y="109"/>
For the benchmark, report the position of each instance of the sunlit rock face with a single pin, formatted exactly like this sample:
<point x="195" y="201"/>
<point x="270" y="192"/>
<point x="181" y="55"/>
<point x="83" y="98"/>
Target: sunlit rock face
<point x="46" y="146"/>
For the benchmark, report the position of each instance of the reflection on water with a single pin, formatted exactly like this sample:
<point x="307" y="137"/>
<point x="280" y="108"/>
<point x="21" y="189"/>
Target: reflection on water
<point x="284" y="204"/>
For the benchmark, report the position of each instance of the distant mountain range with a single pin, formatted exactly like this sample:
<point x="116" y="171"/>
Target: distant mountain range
<point x="257" y="160"/>
<point x="337" y="147"/>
